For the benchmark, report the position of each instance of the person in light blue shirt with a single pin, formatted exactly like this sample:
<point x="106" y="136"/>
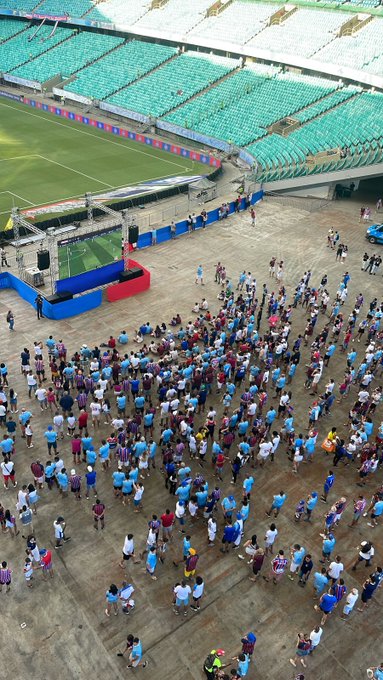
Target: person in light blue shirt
<point x="51" y="437"/>
<point x="107" y="372"/>
<point x="278" y="501"/>
<point x="62" y="480"/>
<point x="91" y="456"/>
<point x="133" y="474"/>
<point x="201" y="498"/>
<point x="243" y="664"/>
<point x="311" y="502"/>
<point x="183" y="472"/>
<point x="368" y="426"/>
<point x="151" y="562"/>
<point x="247" y="485"/>
<point x="167" y="434"/>
<point x="121" y="404"/>
<point x="118" y="477"/>
<point x="125" y="363"/>
<point x="245" y="510"/>
<point x="228" y="505"/>
<point x="6" y="445"/>
<point x="320" y="581"/>
<point x="328" y="546"/>
<point x="123" y="338"/>
<point x="242" y="427"/>
<point x="270" y="417"/>
<point x="297" y="554"/>
<point x="104" y="454"/>
<point x="183" y="491"/>
<point x="139" y="403"/>
<point x="140" y="447"/>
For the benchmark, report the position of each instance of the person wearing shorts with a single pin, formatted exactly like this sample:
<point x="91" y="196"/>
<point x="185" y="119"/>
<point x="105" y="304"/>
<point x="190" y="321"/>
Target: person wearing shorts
<point x="197" y="592"/>
<point x="181" y="592"/>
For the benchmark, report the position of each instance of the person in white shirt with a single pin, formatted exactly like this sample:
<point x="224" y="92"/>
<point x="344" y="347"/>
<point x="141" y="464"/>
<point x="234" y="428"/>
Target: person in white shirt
<point x="211" y="530"/>
<point x="335" y="569"/>
<point x="350" y="602"/>
<point x="270" y="536"/>
<point x="31" y="382"/>
<point x="41" y="396"/>
<point x="315" y="637"/>
<point x="198" y="589"/>
<point x="95" y="410"/>
<point x="99" y="393"/>
<point x="58" y="424"/>
<point x="275" y="443"/>
<point x="181" y="592"/>
<point x="127" y="551"/>
<point x="265" y="449"/>
<point x="117" y="423"/>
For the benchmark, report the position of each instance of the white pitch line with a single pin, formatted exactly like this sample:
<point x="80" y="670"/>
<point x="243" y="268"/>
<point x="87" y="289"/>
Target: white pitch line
<point x="15" y="158"/>
<point x="126" y="145"/>
<point x="78" y="172"/>
<point x="20" y="197"/>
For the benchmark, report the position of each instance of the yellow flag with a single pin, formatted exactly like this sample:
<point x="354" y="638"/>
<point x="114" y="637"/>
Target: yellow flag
<point x="9" y="225"/>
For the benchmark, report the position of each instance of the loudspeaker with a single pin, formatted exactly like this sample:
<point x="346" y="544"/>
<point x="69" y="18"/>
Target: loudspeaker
<point x="133" y="234"/>
<point x="43" y="260"/>
<point x="59" y="297"/>
<point x="130" y="274"/>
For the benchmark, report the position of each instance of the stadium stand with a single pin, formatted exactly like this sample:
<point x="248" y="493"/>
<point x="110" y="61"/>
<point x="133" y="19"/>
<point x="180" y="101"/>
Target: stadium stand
<point x="119" y="11"/>
<point x="354" y="127"/>
<point x="175" y="16"/>
<point x="68" y="57"/>
<point x="173" y="83"/>
<point x="293" y="35"/>
<point x="326" y="104"/>
<point x="119" y="68"/>
<point x="18" y="50"/>
<point x="237" y="23"/>
<point x="242" y="108"/>
<point x="73" y="8"/>
<point x="10" y="27"/>
<point x="21" y="5"/>
<point x="358" y="50"/>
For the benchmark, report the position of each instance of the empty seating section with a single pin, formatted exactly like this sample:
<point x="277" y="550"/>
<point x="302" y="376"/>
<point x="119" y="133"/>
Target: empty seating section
<point x="261" y="101"/>
<point x="71" y="55"/>
<point x="172" y="84"/>
<point x="207" y="113"/>
<point x="73" y="8"/>
<point x="9" y="27"/>
<point x="237" y="23"/>
<point x="119" y="68"/>
<point x="21" y="5"/>
<point x="355" y="126"/>
<point x="18" y="50"/>
<point x="122" y="12"/>
<point x="325" y="104"/>
<point x="303" y="33"/>
<point x="356" y="51"/>
<point x="177" y="16"/>
<point x="365" y="3"/>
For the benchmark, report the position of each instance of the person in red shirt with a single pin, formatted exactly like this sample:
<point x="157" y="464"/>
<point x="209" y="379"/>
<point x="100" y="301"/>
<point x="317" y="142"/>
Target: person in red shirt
<point x="98" y="510"/>
<point x="167" y="521"/>
<point x="83" y="421"/>
<point x="76" y="448"/>
<point x="46" y="563"/>
<point x="219" y="463"/>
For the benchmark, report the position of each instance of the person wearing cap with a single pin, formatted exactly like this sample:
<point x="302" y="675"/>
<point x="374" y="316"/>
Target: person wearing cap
<point x="366" y="553"/>
<point x="75" y="484"/>
<point x="46" y="563"/>
<point x="228" y="505"/>
<point x="90" y="476"/>
<point x="248" y="644"/>
<point x="191" y="563"/>
<point x="213" y="663"/>
<point x="51" y="437"/>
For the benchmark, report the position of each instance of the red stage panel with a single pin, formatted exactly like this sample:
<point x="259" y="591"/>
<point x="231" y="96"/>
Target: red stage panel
<point x="119" y="291"/>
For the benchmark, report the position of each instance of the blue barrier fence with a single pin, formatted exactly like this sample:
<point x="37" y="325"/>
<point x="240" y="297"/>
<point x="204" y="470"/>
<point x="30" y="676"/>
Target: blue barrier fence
<point x="60" y="310"/>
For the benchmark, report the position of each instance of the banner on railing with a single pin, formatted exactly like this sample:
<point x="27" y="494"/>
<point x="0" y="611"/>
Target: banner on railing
<point x="126" y="113"/>
<point x="72" y="96"/>
<point x="32" y="84"/>
<point x="191" y="134"/>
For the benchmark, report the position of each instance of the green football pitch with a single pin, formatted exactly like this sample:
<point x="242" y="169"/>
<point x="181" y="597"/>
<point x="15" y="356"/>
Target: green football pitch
<point x="44" y="159"/>
<point x="89" y="253"/>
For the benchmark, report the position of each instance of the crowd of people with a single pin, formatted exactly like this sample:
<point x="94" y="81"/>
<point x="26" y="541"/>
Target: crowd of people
<point x="203" y="407"/>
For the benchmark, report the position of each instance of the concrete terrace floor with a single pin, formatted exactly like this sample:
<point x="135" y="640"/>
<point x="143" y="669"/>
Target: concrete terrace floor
<point x="67" y="634"/>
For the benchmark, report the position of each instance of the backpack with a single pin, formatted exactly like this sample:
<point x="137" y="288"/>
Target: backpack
<point x="209" y="661"/>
